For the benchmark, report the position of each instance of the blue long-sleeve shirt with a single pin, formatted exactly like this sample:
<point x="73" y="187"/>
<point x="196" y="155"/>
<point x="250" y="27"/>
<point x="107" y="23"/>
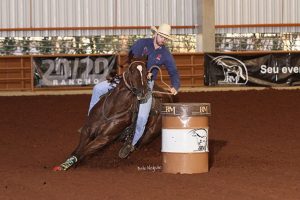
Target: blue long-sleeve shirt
<point x="161" y="56"/>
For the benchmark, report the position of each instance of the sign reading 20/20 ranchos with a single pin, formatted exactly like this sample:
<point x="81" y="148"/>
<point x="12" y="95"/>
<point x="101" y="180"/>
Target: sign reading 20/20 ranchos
<point x="71" y="71"/>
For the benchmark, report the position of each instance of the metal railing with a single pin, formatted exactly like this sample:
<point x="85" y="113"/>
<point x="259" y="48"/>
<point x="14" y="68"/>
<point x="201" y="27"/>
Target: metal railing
<point x="84" y="45"/>
<point x="258" y="42"/>
<point x="115" y="44"/>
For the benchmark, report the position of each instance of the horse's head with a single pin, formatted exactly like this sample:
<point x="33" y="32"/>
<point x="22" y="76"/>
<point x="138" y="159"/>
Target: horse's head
<point x="135" y="78"/>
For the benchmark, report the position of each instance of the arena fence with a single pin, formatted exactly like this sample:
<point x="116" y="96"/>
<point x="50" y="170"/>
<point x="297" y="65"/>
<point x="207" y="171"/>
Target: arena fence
<point x="73" y="72"/>
<point x="19" y="73"/>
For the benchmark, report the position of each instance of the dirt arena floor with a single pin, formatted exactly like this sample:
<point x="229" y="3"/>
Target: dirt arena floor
<point x="254" y="152"/>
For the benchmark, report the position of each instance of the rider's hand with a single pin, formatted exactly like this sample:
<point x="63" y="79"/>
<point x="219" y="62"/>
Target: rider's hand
<point x="173" y="91"/>
<point x="149" y="76"/>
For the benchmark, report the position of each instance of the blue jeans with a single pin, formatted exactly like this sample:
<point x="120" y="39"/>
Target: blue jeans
<point x="144" y="109"/>
<point x="99" y="90"/>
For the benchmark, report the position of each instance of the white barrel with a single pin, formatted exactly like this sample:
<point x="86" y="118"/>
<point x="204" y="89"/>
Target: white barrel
<point x="185" y="137"/>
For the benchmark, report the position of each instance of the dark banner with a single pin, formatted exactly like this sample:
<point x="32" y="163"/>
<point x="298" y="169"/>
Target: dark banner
<point x="71" y="71"/>
<point x="278" y="69"/>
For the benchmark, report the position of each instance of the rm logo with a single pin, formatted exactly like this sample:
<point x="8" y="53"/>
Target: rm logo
<point x="203" y="109"/>
<point x="170" y="109"/>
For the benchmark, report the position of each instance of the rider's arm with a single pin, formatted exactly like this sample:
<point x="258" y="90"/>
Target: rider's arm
<point x="172" y="71"/>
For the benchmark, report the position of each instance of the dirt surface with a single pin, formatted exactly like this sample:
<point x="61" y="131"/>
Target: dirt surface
<point x="254" y="152"/>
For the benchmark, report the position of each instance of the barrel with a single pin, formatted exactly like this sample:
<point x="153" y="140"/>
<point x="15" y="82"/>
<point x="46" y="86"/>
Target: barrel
<point x="185" y="137"/>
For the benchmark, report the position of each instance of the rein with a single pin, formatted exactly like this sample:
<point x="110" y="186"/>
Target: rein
<point x="161" y="79"/>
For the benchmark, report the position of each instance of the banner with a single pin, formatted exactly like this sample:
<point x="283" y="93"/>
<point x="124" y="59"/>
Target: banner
<point x="71" y="71"/>
<point x="276" y="69"/>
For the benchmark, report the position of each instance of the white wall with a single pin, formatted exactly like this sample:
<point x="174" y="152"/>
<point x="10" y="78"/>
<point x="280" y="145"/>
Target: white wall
<point x="93" y="13"/>
<point x="234" y="12"/>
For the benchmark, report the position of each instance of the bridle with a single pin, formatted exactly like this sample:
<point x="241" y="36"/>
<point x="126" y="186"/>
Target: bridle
<point x="153" y="67"/>
<point x="130" y="87"/>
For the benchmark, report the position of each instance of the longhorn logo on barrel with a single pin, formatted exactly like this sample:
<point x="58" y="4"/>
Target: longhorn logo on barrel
<point x="201" y="135"/>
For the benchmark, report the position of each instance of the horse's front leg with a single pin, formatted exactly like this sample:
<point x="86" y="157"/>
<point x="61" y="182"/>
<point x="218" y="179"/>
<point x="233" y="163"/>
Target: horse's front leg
<point x="87" y="146"/>
<point x="93" y="146"/>
<point x="86" y="137"/>
<point x="109" y="133"/>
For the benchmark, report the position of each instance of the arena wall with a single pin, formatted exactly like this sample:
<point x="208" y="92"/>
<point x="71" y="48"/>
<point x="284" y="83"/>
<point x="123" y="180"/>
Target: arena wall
<point x="17" y="73"/>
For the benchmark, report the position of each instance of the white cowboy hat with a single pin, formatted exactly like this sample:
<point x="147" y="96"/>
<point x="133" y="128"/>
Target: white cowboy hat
<point x="163" y="30"/>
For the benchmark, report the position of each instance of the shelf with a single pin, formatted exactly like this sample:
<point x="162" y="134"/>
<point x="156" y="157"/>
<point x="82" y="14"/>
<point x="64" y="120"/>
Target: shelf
<point x="14" y="79"/>
<point x="15" y="68"/>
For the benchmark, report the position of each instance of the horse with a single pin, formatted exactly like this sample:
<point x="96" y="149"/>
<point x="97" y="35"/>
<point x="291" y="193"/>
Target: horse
<point x="115" y="113"/>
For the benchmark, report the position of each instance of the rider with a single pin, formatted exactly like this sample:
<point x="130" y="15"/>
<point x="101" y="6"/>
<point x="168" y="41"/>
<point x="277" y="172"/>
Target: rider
<point x="156" y="52"/>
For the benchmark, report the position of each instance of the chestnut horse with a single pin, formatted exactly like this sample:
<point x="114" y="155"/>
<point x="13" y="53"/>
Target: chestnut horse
<point x="115" y="114"/>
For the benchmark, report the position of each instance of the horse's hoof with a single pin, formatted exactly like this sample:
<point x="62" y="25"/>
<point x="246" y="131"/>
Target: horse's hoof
<point x="57" y="168"/>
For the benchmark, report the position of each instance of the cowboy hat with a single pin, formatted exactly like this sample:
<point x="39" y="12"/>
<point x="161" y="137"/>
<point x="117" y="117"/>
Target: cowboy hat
<point x="163" y="30"/>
